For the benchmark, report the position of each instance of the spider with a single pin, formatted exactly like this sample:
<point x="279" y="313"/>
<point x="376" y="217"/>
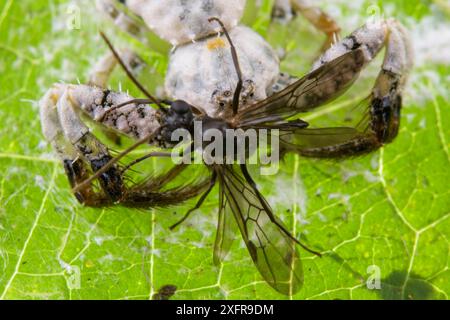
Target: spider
<point x="241" y="205"/>
<point x="184" y="24"/>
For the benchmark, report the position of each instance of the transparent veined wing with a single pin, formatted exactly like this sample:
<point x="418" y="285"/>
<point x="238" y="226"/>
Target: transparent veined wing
<point x="316" y="88"/>
<point x="226" y="229"/>
<point x="271" y="247"/>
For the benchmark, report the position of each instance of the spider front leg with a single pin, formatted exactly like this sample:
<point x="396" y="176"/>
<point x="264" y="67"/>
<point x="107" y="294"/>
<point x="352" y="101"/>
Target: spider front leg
<point x="79" y="150"/>
<point x="381" y="123"/>
<point x="129" y="23"/>
<point x="77" y="167"/>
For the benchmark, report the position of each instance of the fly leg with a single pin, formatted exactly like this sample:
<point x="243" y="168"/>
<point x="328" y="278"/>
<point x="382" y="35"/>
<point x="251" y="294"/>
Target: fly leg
<point x="129" y="22"/>
<point x="101" y="73"/>
<point x="202" y="199"/>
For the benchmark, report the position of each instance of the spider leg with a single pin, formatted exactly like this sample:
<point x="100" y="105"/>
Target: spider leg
<point x="78" y="148"/>
<point x="87" y="145"/>
<point x="76" y="167"/>
<point x="202" y="199"/>
<point x="383" y="105"/>
<point x="83" y="154"/>
<point x="125" y="21"/>
<point x="285" y="10"/>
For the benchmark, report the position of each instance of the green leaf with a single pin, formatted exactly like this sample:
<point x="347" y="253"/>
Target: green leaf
<point x="386" y="212"/>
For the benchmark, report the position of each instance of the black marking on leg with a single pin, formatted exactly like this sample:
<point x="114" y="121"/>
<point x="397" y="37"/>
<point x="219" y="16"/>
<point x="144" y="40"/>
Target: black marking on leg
<point x="111" y="180"/>
<point x="380" y="117"/>
<point x="386" y="117"/>
<point x="386" y="107"/>
<point x="141" y="112"/>
<point x="71" y="171"/>
<point x="355" y="43"/>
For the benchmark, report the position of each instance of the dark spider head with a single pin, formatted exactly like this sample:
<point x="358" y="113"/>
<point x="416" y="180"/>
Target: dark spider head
<point x="178" y="116"/>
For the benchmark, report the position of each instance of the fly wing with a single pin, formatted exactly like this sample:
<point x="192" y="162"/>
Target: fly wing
<point x="226" y="229"/>
<point x="318" y="87"/>
<point x="335" y="142"/>
<point x="271" y="247"/>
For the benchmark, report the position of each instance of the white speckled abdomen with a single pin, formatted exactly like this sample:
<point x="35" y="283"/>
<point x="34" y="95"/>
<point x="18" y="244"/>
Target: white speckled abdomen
<point x="181" y="21"/>
<point x="204" y="75"/>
